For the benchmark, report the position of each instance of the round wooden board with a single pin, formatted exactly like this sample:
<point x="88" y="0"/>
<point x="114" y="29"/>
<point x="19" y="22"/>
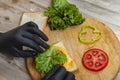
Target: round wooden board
<point x="109" y="43"/>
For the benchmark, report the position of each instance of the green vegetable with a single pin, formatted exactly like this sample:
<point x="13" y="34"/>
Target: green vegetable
<point x="83" y="32"/>
<point x="48" y="59"/>
<point x="63" y="14"/>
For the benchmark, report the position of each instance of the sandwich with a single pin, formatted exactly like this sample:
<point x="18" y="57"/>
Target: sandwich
<point x="41" y="21"/>
<point x="70" y="64"/>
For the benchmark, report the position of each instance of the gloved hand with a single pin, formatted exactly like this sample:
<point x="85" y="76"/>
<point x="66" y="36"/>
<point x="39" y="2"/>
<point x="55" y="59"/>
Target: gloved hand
<point x="25" y="35"/>
<point x="59" y="73"/>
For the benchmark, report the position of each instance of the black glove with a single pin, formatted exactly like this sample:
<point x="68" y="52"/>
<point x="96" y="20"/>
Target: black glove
<point x="25" y="35"/>
<point x="59" y="73"/>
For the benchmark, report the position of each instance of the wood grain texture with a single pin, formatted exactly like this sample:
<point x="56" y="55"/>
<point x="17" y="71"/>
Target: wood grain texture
<point x="109" y="43"/>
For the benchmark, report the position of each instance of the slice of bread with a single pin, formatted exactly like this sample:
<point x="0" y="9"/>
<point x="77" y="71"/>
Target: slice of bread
<point x="37" y="17"/>
<point x="70" y="64"/>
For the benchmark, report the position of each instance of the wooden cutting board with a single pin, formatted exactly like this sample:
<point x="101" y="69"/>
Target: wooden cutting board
<point x="109" y="43"/>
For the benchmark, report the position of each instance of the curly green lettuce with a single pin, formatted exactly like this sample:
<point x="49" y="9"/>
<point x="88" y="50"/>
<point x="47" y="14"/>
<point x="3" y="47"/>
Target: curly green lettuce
<point x="48" y="59"/>
<point x="63" y="14"/>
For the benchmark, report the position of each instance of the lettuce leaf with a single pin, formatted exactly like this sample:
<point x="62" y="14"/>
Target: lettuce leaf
<point x="48" y="59"/>
<point x="63" y="14"/>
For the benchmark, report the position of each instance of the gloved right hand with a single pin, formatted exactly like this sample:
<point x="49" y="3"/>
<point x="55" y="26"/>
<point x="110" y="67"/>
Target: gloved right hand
<point x="27" y="35"/>
<point x="59" y="73"/>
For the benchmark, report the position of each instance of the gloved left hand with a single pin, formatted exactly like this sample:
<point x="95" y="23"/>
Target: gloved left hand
<point x="25" y="35"/>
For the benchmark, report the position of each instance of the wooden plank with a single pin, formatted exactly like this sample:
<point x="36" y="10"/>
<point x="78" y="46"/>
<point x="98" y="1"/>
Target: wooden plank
<point x="10" y="70"/>
<point x="99" y="11"/>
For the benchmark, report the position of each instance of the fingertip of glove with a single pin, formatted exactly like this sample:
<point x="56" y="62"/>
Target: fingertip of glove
<point x="31" y="23"/>
<point x="44" y="37"/>
<point x="61" y="66"/>
<point x="70" y="74"/>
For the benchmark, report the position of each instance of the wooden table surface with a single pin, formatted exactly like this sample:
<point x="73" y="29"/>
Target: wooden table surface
<point x="11" y="68"/>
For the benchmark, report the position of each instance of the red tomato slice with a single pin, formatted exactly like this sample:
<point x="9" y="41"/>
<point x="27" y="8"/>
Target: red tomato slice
<point x="95" y="59"/>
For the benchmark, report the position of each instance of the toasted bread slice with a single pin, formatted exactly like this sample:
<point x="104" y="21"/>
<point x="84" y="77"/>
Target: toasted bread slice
<point x="37" y="17"/>
<point x="70" y="64"/>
